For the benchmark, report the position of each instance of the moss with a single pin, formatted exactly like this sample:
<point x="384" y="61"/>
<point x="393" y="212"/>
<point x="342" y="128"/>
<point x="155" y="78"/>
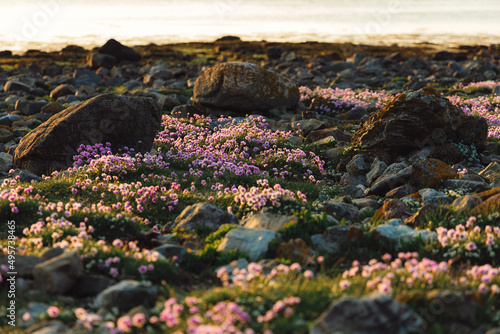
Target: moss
<point x="489" y="193"/>
<point x="295" y="250"/>
<point x="429" y="173"/>
<point x="492" y="204"/>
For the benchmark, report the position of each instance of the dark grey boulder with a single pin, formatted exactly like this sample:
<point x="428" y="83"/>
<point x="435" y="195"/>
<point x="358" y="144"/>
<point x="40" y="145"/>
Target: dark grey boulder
<point x="122" y="121"/>
<point x="119" y="51"/>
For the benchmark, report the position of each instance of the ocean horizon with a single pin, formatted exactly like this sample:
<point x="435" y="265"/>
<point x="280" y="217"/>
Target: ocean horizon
<point x="51" y="24"/>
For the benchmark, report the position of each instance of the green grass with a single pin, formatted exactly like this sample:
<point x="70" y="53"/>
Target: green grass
<point x="7" y="68"/>
<point x="24" y="218"/>
<point x="259" y="297"/>
<point x="307" y="226"/>
<point x="396" y="79"/>
<point x="478" y="90"/>
<point x="188" y="92"/>
<point x="4" y="105"/>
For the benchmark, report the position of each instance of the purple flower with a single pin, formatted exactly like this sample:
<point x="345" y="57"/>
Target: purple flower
<point x="482" y="288"/>
<point x="118" y="243"/>
<point x="113" y="272"/>
<point x="470" y="246"/>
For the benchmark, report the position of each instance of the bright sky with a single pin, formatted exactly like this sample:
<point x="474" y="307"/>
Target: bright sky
<point x="90" y="22"/>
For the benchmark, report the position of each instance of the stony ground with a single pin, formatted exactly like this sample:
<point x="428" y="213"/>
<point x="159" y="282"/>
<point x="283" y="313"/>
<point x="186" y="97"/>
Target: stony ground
<point x="278" y="219"/>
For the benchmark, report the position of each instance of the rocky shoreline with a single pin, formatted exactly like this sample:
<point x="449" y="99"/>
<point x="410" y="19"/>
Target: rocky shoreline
<point x="252" y="187"/>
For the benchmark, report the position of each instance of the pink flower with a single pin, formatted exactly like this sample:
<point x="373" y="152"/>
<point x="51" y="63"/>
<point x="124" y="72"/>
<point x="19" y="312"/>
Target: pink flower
<point x="81" y="313"/>
<point x="384" y="288"/>
<point x="344" y="284"/>
<point x="295" y="267"/>
<point x="191" y="301"/>
<point x="470" y="222"/>
<point x="291" y="300"/>
<point x="138" y="320"/>
<point x="470" y="246"/>
<point x="386" y="257"/>
<point x="278" y="306"/>
<point x="142" y="269"/>
<point x="27" y="316"/>
<point x="482" y="288"/>
<point x="486" y="278"/>
<point x="53" y="311"/>
<point x="118" y="243"/>
<point x="221" y="272"/>
<point x="320" y="259"/>
<point x="124" y="324"/>
<point x="113" y="272"/>
<point x="308" y="274"/>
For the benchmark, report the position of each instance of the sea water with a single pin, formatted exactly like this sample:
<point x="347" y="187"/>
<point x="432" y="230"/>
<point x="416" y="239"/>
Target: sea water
<point x="51" y="24"/>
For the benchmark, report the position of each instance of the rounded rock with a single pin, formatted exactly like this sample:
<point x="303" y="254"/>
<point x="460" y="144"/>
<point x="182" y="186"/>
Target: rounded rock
<point x="244" y="87"/>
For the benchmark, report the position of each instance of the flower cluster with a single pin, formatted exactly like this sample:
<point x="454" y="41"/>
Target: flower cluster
<point x="469" y="240"/>
<point x="242" y="277"/>
<point x="257" y="198"/>
<point x="223" y="317"/>
<point x="341" y="100"/>
<point x="87" y="153"/>
<point x="242" y="148"/>
<point x="487" y="107"/>
<point x="406" y="272"/>
<point x="284" y="307"/>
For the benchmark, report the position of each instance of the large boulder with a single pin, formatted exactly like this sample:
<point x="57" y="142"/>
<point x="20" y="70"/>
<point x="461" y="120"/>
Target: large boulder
<point x="96" y="60"/>
<point x="62" y="90"/>
<point x="396" y="234"/>
<point x="119" y="120"/>
<point x="244" y="87"/>
<point x="24" y="264"/>
<point x="59" y="274"/>
<point x="28" y="108"/>
<point x="253" y="242"/>
<point x="202" y="215"/>
<point x="119" y="51"/>
<point x="428" y="173"/>
<point x="416" y="119"/>
<point x="126" y="295"/>
<point x="268" y="221"/>
<point x="371" y="314"/>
